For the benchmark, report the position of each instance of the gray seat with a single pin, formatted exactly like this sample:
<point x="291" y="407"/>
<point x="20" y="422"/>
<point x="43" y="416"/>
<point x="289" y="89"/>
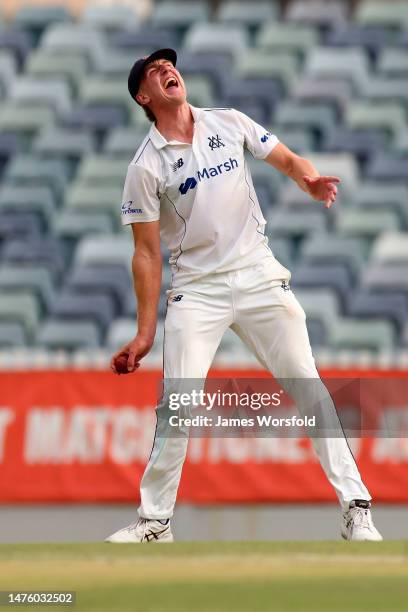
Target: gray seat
<point x="73" y="225"/>
<point x="25" y="119"/>
<point x="98" y="169"/>
<point x="44" y="63"/>
<point x="82" y="197"/>
<point x="217" y="37"/>
<point x="343" y="165"/>
<point x="319" y="304"/>
<point x="318" y="12"/>
<point x="104" y="249"/>
<point x="383" y="197"/>
<point x="386" y="116"/>
<point x="20" y="307"/>
<point x="391" y="247"/>
<point x="332" y="249"/>
<point x="355" y="334"/>
<point x="103" y="91"/>
<point x="386" y="277"/>
<point x="295" y="224"/>
<point x="39" y="200"/>
<point x="98" y="308"/>
<point x="278" y="35"/>
<point x="173" y="13"/>
<point x="8" y="69"/>
<point x="109" y="278"/>
<point x="330" y="62"/>
<point x="11" y="335"/>
<point x="30" y="170"/>
<point x="366" y="305"/>
<point x="35" y="279"/>
<point x="335" y="277"/>
<point x="393" y="63"/>
<point x="53" y="92"/>
<point x="249" y="14"/>
<point x="68" y="335"/>
<point x="65" y="143"/>
<point x="38" y="250"/>
<point x="366" y="223"/>
<point x="383" y="13"/>
<point x="84" y="40"/>
<point x="317" y="117"/>
<point x="124" y="141"/>
<point x="114" y="17"/>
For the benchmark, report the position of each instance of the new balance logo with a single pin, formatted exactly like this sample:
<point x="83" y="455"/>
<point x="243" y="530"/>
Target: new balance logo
<point x="285" y="286"/>
<point x="215" y="142"/>
<point x="178" y="164"/>
<point x="208" y="173"/>
<point x="177" y="298"/>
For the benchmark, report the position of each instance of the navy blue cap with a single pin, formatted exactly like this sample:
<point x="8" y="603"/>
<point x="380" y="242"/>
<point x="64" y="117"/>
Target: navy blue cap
<point x="136" y="72"/>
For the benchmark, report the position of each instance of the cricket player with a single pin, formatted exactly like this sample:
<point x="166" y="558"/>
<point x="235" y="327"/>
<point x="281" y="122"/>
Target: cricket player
<point x="190" y="186"/>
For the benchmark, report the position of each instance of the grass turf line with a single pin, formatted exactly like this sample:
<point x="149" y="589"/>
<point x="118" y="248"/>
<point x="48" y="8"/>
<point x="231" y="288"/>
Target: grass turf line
<point x="215" y="576"/>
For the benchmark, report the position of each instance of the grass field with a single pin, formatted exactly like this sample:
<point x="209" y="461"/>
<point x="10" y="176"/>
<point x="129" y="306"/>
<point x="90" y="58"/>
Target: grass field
<point x="214" y="576"/>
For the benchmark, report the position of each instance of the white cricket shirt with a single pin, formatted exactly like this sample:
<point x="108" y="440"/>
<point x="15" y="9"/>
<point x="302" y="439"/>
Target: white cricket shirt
<point x="210" y="218"/>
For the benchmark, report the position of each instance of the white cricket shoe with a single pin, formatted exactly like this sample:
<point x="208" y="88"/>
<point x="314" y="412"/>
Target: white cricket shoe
<point x="357" y="523"/>
<point x="143" y="531"/>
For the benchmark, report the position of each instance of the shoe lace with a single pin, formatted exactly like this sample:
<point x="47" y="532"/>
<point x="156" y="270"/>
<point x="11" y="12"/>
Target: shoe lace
<point x="362" y="518"/>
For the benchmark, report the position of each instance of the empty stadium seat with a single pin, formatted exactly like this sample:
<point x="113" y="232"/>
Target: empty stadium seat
<point x="147" y="38"/>
<point x="12" y="334"/>
<point x="45" y="64"/>
<point x="179" y="14"/>
<point x="124" y="141"/>
<point x="98" y="169"/>
<point x="362" y="143"/>
<point x="295" y="224"/>
<point x="329" y="62"/>
<point x="334" y="277"/>
<point x="108" y="249"/>
<point x="8" y="68"/>
<point x="381" y="12"/>
<point x="200" y="90"/>
<point x="393" y="62"/>
<point x="386" y="116"/>
<point x="390" y="247"/>
<point x="109" y="18"/>
<point x="64" y="143"/>
<point x="311" y="89"/>
<point x="101" y="91"/>
<point x="392" y="167"/>
<point x="383" y="196"/>
<point x="392" y="306"/>
<point x="17" y="41"/>
<point x="377" y="335"/>
<point x="332" y="249"/>
<point x="249" y="14"/>
<point x="30" y="170"/>
<point x="319" y="304"/>
<point x="386" y="277"/>
<point x="68" y="335"/>
<point x="38" y="200"/>
<point x="105" y="278"/>
<point x="99" y="119"/>
<point x="20" y="307"/>
<point x="282" y="66"/>
<point x="36" y="19"/>
<point x="273" y="36"/>
<point x="28" y="278"/>
<point x="18" y="225"/>
<point x="342" y="165"/>
<point x="366" y="223"/>
<point x="123" y="330"/>
<point x="25" y="119"/>
<point x="318" y="12"/>
<point x="217" y="37"/>
<point x="72" y="225"/>
<point x="373" y="39"/>
<point x="318" y="117"/>
<point x="98" y="308"/>
<point x="83" y="40"/>
<point x="81" y="197"/>
<point x="47" y="252"/>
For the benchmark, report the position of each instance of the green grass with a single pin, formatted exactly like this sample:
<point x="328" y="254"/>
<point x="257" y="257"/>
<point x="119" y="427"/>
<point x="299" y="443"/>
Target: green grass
<point x="215" y="576"/>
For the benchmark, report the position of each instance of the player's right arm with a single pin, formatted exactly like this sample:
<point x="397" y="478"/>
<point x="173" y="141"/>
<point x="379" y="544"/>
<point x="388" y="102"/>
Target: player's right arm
<point x="141" y="210"/>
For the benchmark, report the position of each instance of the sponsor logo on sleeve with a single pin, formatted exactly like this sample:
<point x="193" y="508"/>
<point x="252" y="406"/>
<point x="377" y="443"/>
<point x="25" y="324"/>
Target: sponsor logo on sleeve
<point x="266" y="137"/>
<point x="127" y="209"/>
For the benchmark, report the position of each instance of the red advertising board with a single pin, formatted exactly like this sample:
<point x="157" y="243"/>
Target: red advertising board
<point x="85" y="436"/>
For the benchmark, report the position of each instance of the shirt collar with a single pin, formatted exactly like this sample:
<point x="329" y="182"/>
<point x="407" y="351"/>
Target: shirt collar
<point x="159" y="141"/>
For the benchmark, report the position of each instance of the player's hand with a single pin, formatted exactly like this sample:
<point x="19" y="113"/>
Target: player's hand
<point x="322" y="188"/>
<point x="132" y="352"/>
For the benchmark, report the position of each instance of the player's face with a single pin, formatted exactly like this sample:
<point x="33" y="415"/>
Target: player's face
<point x="162" y="84"/>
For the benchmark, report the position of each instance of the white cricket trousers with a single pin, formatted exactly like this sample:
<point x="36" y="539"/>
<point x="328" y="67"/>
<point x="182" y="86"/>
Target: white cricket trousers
<point x="271" y="322"/>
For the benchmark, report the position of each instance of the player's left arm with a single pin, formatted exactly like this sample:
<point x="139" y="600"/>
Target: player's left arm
<point x="303" y="172"/>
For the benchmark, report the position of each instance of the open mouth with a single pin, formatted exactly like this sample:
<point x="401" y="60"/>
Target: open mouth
<point x="170" y="83"/>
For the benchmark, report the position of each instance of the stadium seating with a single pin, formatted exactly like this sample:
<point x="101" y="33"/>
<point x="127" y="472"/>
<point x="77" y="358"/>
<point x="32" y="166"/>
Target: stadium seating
<point x="327" y="77"/>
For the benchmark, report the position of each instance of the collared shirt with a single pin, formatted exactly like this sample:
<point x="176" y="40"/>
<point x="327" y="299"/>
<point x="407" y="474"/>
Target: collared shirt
<point x="203" y="195"/>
